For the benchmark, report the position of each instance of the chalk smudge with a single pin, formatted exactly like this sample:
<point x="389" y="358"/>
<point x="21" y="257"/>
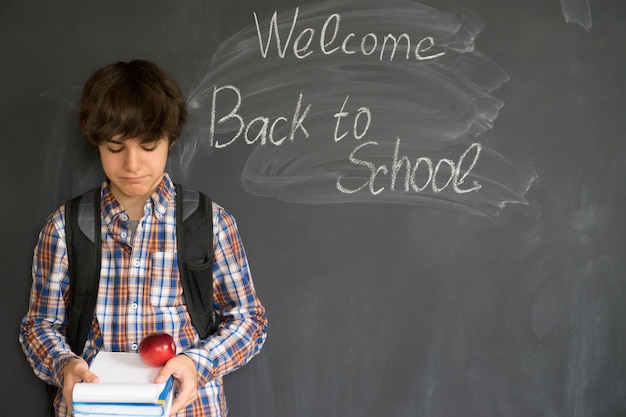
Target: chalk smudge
<point x="436" y="108"/>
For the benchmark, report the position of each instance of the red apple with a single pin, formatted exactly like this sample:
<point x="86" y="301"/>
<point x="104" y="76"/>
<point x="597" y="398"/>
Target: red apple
<point x="157" y="348"/>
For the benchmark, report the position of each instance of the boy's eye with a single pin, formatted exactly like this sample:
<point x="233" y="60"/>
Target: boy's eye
<point x="114" y="150"/>
<point x="150" y="147"/>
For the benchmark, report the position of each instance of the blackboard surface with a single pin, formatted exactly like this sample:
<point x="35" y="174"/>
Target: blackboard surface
<point x="431" y="193"/>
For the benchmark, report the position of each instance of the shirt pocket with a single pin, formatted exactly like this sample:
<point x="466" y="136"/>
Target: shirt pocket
<point x="165" y="288"/>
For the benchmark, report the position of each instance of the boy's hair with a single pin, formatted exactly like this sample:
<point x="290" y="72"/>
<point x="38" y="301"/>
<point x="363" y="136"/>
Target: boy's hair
<point x="135" y="99"/>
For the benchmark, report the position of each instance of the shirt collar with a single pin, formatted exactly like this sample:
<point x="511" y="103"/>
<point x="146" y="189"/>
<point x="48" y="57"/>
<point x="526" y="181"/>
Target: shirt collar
<point x="155" y="205"/>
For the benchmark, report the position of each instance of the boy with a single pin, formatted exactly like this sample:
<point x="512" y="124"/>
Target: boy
<point x="133" y="113"/>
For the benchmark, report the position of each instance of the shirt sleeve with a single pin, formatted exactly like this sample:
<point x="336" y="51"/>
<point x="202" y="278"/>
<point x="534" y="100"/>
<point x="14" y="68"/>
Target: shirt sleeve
<point x="42" y="330"/>
<point x="243" y="332"/>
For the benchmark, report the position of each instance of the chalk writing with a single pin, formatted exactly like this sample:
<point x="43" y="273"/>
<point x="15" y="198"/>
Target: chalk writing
<point x="331" y="42"/>
<point x="357" y="132"/>
<point x="455" y="175"/>
<point x="333" y="88"/>
<point x="261" y="127"/>
<point x="261" y="130"/>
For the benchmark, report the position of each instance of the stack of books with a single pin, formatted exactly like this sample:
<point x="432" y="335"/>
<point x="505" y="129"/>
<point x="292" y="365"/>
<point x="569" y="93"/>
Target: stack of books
<point x="126" y="388"/>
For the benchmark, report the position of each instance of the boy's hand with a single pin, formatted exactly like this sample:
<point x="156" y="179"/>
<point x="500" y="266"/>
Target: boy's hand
<point x="75" y="371"/>
<point x="183" y="369"/>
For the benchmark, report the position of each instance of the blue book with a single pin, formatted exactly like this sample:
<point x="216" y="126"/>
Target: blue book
<point x="126" y="388"/>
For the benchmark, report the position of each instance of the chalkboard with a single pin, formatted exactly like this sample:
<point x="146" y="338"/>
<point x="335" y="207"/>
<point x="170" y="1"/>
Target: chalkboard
<point x="431" y="192"/>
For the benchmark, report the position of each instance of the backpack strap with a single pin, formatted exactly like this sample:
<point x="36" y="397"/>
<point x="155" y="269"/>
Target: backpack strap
<point x="81" y="231"/>
<point x="194" y="236"/>
<point x="80" y="235"/>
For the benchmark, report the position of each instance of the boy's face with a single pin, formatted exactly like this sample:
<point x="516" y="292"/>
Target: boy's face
<point x="134" y="169"/>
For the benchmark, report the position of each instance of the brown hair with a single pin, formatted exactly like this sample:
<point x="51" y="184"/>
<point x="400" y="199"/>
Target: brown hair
<point x="135" y="99"/>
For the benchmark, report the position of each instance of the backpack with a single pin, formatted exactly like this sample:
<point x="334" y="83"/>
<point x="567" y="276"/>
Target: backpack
<point x="194" y="235"/>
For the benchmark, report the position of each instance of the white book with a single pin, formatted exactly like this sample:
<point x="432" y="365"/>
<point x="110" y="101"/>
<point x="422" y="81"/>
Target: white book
<point x="126" y="388"/>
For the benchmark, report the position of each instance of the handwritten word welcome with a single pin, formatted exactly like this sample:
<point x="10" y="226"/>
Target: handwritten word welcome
<point x="331" y="42"/>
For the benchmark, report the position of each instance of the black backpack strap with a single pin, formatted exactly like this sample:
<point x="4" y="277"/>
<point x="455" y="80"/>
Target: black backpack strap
<point x="194" y="235"/>
<point x="82" y="229"/>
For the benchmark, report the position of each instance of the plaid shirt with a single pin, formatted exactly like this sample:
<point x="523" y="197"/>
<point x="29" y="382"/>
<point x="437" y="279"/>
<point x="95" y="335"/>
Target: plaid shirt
<point x="140" y="293"/>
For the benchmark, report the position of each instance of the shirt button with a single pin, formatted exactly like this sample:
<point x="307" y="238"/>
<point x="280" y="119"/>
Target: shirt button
<point x="123" y="235"/>
<point x="137" y="263"/>
<point x="134" y="306"/>
<point x="124" y="217"/>
<point x="134" y="346"/>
